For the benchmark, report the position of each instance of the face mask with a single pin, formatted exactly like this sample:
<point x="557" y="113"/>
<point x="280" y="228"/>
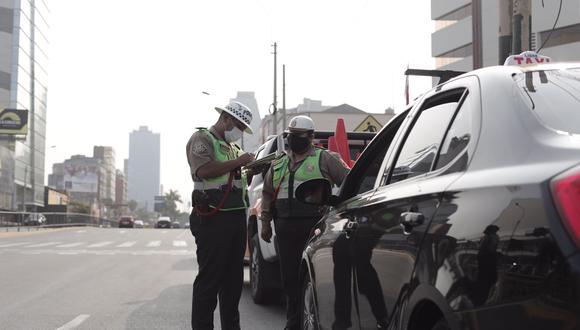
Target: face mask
<point x="298" y="144"/>
<point x="233" y="135"/>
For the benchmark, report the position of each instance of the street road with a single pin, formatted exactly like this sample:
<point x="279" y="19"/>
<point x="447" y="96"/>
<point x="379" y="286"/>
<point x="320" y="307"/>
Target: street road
<point x="106" y="278"/>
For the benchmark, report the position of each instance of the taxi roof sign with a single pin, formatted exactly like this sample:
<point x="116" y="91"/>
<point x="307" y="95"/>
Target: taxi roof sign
<point x="527" y="58"/>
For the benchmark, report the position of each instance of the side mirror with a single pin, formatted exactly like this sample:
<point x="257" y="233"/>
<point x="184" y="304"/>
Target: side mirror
<point x="316" y="192"/>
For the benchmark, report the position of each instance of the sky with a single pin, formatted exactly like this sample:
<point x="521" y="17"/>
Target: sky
<point x="117" y="65"/>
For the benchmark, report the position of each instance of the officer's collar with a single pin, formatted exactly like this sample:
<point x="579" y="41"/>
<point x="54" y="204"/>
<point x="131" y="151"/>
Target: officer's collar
<point x="215" y="133"/>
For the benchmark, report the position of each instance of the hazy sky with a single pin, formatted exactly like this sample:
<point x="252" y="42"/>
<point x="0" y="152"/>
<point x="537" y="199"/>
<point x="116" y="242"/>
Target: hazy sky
<point x="116" y="65"/>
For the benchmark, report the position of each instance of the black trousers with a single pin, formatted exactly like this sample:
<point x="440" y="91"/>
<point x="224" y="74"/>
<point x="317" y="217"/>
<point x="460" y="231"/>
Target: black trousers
<point x="291" y="236"/>
<point x="221" y="243"/>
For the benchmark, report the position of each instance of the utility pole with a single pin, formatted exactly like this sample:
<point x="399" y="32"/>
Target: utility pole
<point x="522" y="10"/>
<point x="283" y="96"/>
<point x="274" y="103"/>
<point x="476" y="34"/>
<point x="505" y="30"/>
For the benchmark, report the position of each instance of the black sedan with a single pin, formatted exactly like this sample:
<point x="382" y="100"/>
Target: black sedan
<point x="463" y="212"/>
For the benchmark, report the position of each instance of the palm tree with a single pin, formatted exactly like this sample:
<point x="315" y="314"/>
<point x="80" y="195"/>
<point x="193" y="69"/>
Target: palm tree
<point x="171" y="200"/>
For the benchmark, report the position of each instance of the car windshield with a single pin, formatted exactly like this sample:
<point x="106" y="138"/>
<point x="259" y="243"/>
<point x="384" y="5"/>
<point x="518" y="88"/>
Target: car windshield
<point x="554" y="96"/>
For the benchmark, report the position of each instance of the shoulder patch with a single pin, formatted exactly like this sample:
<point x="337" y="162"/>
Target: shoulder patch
<point x="199" y="148"/>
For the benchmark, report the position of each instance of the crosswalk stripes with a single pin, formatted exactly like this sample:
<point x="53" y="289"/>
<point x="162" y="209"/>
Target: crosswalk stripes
<point x="13" y="244"/>
<point x="43" y="244"/>
<point x="127" y="244"/>
<point x="180" y="243"/>
<point x="154" y="244"/>
<point x="70" y="245"/>
<point x="101" y="244"/>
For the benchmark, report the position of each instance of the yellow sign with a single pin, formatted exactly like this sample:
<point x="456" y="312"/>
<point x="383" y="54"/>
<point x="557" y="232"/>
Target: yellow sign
<point x="369" y="124"/>
<point x="14" y="122"/>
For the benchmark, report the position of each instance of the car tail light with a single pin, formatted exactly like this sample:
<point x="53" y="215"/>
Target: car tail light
<point x="566" y="192"/>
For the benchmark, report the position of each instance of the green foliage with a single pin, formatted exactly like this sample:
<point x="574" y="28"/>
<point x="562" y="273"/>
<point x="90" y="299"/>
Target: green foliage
<point x="132" y="205"/>
<point x="76" y="207"/>
<point x="171" y="199"/>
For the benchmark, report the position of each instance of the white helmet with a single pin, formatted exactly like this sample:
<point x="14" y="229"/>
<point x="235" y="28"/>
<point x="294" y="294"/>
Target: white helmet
<point x="239" y="111"/>
<point x="301" y="124"/>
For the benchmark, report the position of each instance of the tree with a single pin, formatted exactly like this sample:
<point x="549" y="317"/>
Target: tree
<point x="171" y="199"/>
<point x="77" y="207"/>
<point x="132" y="205"/>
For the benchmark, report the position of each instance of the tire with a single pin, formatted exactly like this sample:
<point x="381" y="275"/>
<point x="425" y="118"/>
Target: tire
<point x="260" y="269"/>
<point x="309" y="313"/>
<point x="441" y="325"/>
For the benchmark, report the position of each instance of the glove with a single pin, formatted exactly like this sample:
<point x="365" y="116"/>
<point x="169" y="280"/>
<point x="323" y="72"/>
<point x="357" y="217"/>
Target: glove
<point x="266" y="233"/>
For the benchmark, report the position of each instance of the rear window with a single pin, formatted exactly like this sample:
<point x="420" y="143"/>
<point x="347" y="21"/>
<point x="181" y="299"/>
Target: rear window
<point x="554" y="97"/>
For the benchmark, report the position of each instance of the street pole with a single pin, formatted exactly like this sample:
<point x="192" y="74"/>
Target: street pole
<point x="521" y="25"/>
<point x="505" y="30"/>
<point x="283" y="96"/>
<point x="274" y="103"/>
<point x="476" y="34"/>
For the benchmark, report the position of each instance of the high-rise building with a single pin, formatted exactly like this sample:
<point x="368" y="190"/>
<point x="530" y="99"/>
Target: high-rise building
<point x="107" y="157"/>
<point x="469" y="32"/>
<point x="144" y="167"/>
<point x="120" y="193"/>
<point x="250" y="142"/>
<point x="23" y="85"/>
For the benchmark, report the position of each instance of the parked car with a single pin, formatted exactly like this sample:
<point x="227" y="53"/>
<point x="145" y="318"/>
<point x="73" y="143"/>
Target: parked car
<point x="265" y="279"/>
<point x="175" y="224"/>
<point x="463" y="212"/>
<point x="163" y="222"/>
<point x="126" y="222"/>
<point x="138" y="224"/>
<point x="35" y="219"/>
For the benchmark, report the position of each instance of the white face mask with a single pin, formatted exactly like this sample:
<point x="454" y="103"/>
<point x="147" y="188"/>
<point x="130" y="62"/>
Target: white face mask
<point x="233" y="135"/>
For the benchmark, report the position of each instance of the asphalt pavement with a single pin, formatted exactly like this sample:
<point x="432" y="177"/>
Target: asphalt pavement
<point x="107" y="278"/>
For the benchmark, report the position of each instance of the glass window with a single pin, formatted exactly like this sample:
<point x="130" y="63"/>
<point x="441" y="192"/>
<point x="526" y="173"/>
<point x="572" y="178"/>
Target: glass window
<point x="454" y="147"/>
<point x="418" y="153"/>
<point x="554" y="96"/>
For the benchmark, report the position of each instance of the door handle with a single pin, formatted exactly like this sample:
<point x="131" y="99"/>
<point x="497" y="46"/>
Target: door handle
<point x="409" y="220"/>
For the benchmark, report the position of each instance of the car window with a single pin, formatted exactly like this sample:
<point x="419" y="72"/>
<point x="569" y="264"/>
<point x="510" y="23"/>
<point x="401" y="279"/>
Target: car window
<point x="363" y="175"/>
<point x="453" y="151"/>
<point x="420" y="147"/>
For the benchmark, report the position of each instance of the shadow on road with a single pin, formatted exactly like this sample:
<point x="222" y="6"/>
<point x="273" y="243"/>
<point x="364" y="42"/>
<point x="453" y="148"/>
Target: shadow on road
<point x="188" y="264"/>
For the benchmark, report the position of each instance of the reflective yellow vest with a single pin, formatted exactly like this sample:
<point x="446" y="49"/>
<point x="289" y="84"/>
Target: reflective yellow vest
<point x="216" y="187"/>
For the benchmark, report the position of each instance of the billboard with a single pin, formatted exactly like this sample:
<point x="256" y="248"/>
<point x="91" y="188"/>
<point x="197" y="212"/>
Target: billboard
<point x="13" y="122"/>
<point x="55" y="197"/>
<point x="81" y="178"/>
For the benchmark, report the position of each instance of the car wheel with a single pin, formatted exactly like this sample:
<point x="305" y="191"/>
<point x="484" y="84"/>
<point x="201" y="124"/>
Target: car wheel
<point x="309" y="316"/>
<point x="260" y="269"/>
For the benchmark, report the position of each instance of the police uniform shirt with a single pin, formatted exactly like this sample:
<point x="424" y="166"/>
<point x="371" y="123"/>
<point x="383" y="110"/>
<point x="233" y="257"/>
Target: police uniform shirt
<point x="200" y="151"/>
<point x="331" y="166"/>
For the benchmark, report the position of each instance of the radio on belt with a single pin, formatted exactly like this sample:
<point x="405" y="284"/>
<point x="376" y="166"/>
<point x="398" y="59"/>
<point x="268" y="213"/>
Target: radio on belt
<point x="527" y="58"/>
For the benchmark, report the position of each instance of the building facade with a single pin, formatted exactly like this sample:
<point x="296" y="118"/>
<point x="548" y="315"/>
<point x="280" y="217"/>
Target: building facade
<point x="23" y="85"/>
<point x="107" y="157"/>
<point x="144" y="167"/>
<point x="475" y="33"/>
<point x="120" y="193"/>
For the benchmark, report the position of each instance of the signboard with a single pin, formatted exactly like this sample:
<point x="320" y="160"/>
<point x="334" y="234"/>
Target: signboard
<point x="369" y="124"/>
<point x="81" y="178"/>
<point x="159" y="204"/>
<point x="54" y="197"/>
<point x="14" y="122"/>
<point x="527" y="58"/>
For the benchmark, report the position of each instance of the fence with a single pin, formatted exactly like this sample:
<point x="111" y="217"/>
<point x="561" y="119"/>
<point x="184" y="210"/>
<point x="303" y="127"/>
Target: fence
<point x="51" y="219"/>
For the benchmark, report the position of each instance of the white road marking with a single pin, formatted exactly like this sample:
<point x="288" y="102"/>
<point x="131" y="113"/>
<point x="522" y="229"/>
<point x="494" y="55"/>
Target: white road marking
<point x="81" y="231"/>
<point x="122" y="232"/>
<point x="127" y="244"/>
<point x="101" y="244"/>
<point x="75" y="322"/>
<point x="13" y="244"/>
<point x="164" y="232"/>
<point x="69" y="245"/>
<point x="43" y="244"/>
<point x="154" y="244"/>
<point x="179" y="243"/>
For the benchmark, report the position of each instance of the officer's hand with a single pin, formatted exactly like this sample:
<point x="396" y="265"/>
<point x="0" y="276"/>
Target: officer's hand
<point x="245" y="158"/>
<point x="266" y="233"/>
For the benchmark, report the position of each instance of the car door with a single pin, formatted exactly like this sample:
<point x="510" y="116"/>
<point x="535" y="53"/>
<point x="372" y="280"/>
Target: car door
<point x="330" y="250"/>
<point x="392" y="224"/>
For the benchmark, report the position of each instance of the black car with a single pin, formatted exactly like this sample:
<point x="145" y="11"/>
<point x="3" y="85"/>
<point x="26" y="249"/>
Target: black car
<point x="126" y="222"/>
<point x="463" y="212"/>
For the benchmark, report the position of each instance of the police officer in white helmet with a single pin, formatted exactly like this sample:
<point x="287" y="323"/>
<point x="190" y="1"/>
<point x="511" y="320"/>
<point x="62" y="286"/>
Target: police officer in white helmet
<point x="218" y="219"/>
<point x="292" y="218"/>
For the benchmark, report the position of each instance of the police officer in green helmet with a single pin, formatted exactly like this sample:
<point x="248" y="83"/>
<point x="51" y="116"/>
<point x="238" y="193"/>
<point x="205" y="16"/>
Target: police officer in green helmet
<point x="218" y="219"/>
<point x="292" y="218"/>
